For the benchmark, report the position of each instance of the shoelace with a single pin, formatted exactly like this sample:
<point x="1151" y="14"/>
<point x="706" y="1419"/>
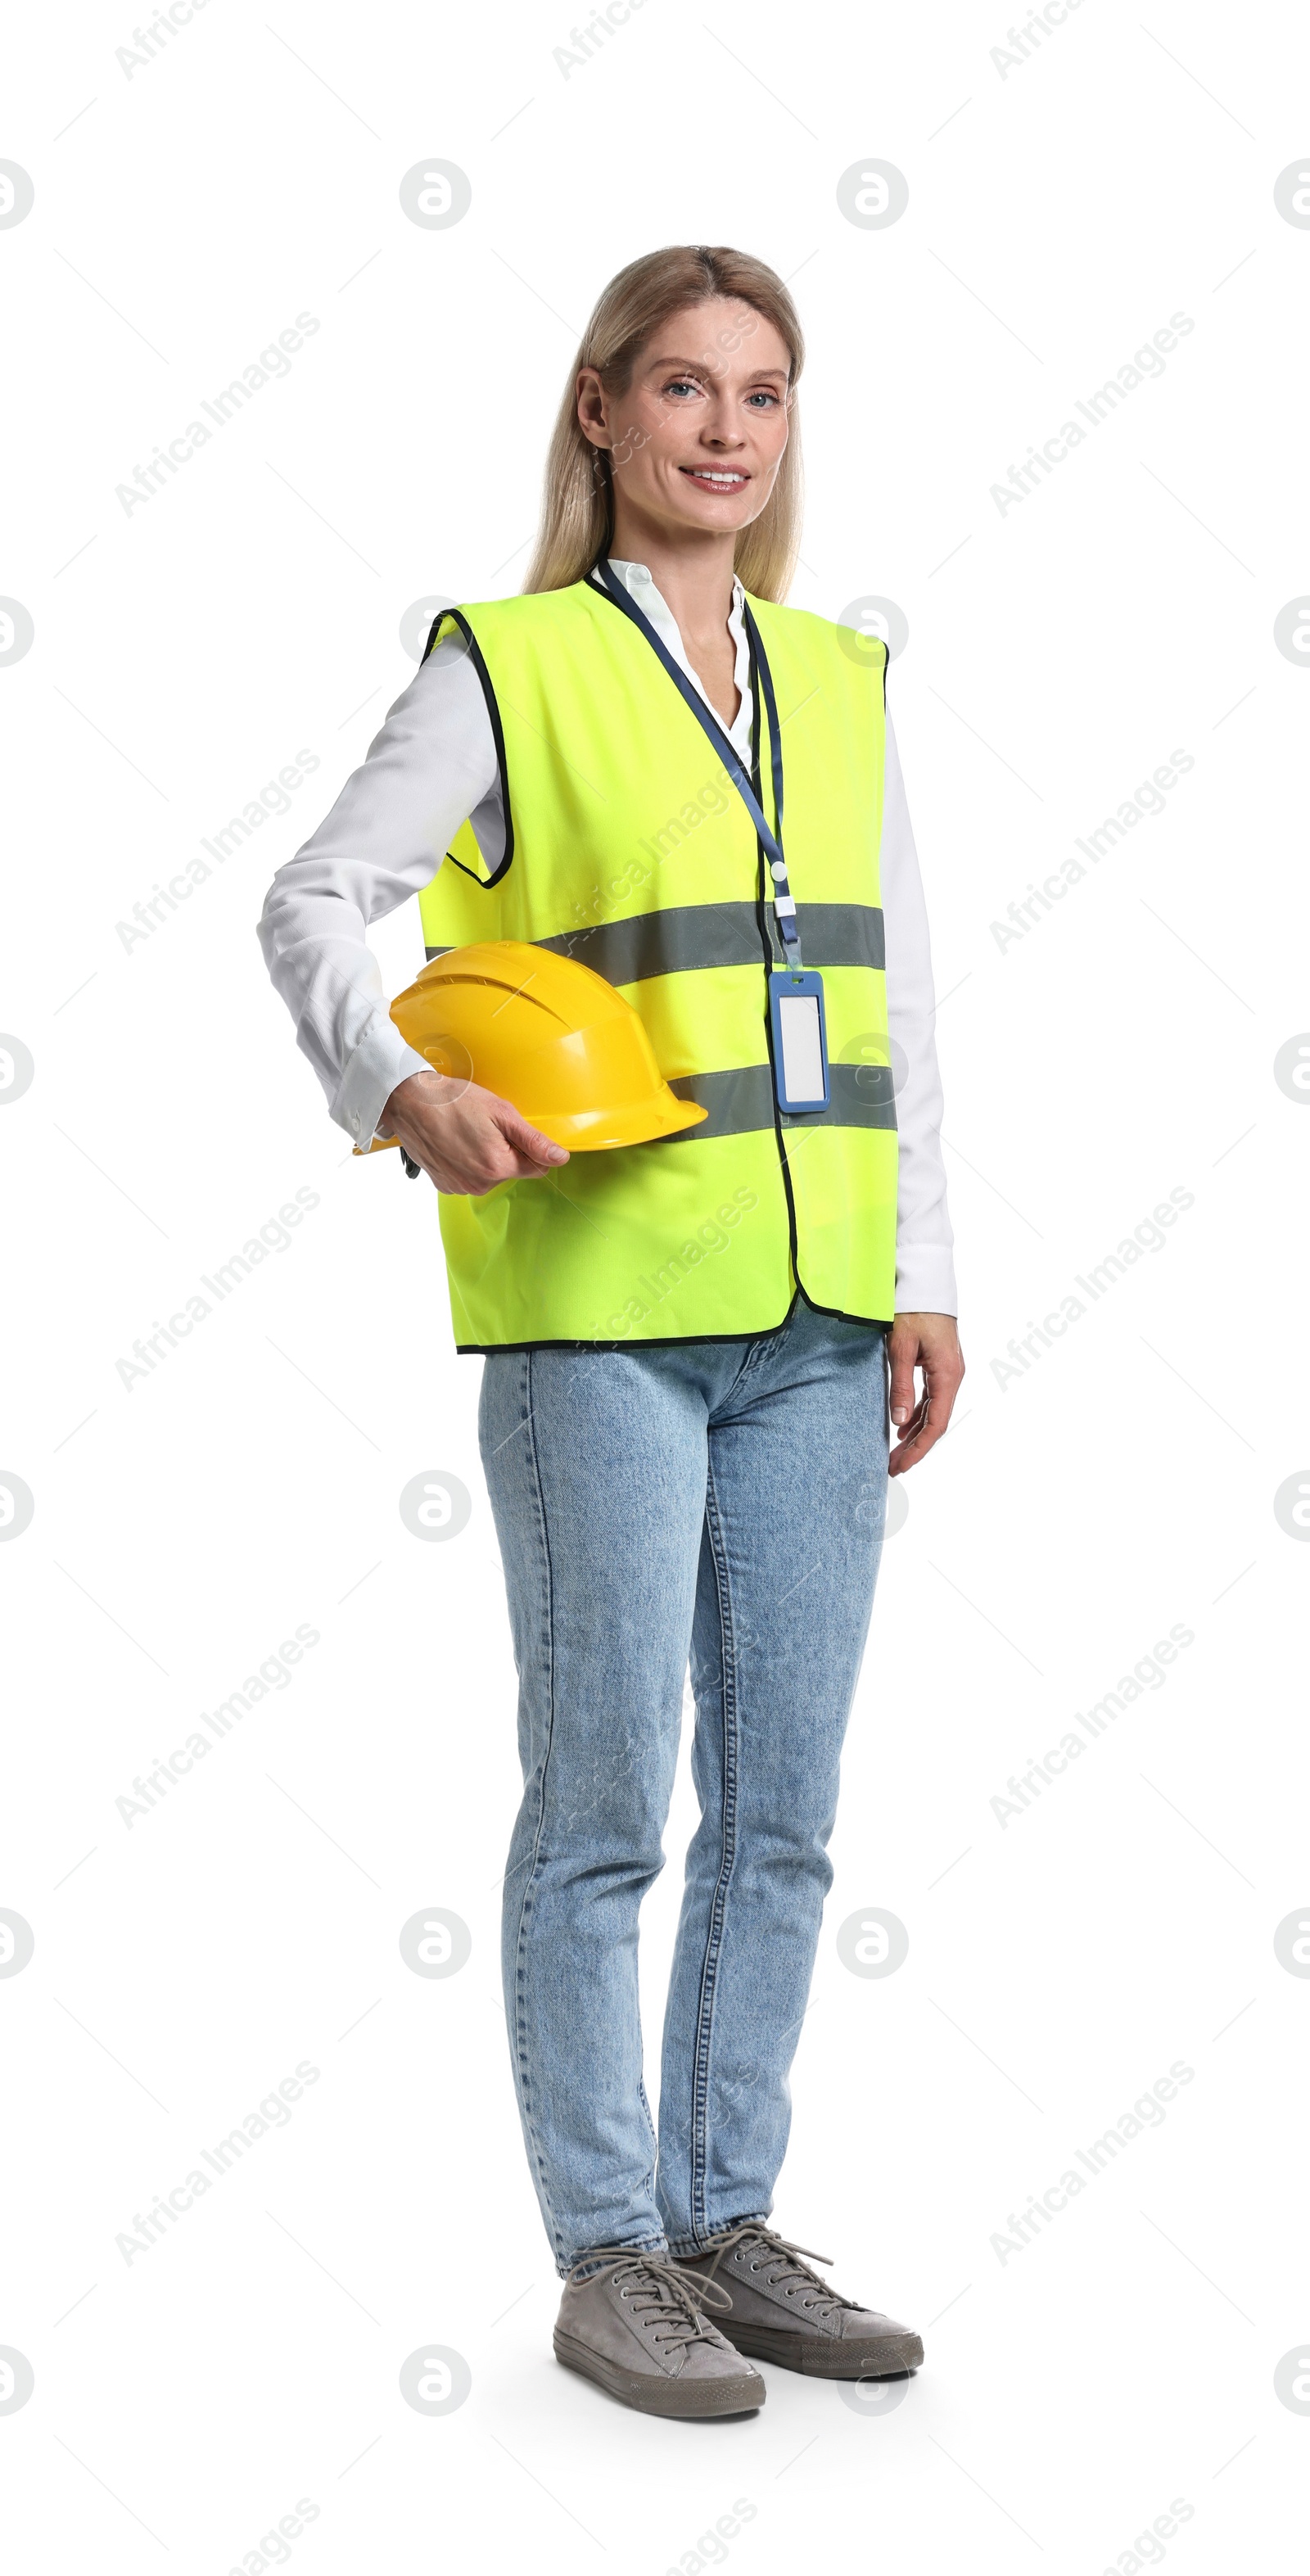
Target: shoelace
<point x="658" y="2288"/>
<point x="781" y="2264"/>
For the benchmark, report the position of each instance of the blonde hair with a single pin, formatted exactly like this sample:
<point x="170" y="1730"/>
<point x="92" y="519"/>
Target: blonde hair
<point x="577" y="512"/>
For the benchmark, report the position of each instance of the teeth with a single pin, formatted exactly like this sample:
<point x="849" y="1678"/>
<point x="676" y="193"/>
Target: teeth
<point x="707" y="474"/>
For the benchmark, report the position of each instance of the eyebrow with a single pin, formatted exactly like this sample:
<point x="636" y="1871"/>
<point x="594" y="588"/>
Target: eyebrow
<point x="698" y="366"/>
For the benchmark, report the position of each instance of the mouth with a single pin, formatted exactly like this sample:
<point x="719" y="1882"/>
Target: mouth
<point x="716" y="478"/>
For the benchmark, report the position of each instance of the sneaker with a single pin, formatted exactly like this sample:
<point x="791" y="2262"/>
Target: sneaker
<point x="636" y="2325"/>
<point x="781" y="2311"/>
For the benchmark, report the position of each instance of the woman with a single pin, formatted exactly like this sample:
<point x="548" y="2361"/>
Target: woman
<point x="646" y="763"/>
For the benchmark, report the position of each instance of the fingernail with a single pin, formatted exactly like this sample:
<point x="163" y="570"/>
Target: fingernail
<point x="900" y="1413"/>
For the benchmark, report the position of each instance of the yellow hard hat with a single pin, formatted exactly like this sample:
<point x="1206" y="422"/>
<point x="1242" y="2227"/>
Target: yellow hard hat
<point x="547" y="1034"/>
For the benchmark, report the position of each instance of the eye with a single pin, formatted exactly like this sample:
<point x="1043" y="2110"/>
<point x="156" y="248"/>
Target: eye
<point x="762" y="395"/>
<point x="682" y="385"/>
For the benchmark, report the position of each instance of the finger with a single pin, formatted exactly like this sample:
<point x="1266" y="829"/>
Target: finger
<point x="923" y="1434"/>
<point x="418" y="1153"/>
<point x="526" y="1140"/>
<point x="533" y="1167"/>
<point x="434" y="1158"/>
<point x="906" y="1447"/>
<point x="491" y="1172"/>
<point x="915" y="1448"/>
<point x="913" y="1423"/>
<point x="903" y="1357"/>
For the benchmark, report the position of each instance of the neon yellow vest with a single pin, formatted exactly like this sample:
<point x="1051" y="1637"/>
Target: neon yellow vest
<point x="628" y="847"/>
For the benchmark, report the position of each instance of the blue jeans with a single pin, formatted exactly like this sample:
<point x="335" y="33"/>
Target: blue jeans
<point x="721" y="1501"/>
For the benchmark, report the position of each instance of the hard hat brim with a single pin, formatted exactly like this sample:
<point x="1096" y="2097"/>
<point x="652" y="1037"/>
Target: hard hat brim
<point x="593" y="1130"/>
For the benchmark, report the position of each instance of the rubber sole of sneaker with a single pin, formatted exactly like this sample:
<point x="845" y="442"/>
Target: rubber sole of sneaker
<point x="822" y="2356"/>
<point x="696" y="2399"/>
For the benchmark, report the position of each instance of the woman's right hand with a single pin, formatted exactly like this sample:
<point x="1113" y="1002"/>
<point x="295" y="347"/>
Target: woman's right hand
<point x="464" y="1138"/>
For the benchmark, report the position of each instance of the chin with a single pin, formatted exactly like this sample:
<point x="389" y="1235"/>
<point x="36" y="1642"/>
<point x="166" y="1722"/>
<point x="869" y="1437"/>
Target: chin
<point x="701" y="510"/>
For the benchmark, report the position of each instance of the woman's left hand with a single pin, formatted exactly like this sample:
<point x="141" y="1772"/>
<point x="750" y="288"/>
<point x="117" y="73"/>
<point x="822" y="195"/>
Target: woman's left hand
<point x="931" y="1344"/>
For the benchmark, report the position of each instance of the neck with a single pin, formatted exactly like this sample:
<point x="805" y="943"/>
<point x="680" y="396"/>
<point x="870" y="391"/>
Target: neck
<point x="691" y="568"/>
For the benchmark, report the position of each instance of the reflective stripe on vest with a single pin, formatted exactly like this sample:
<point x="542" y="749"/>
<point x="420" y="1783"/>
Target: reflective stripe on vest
<point x="627" y="846"/>
<point x="695" y="935"/>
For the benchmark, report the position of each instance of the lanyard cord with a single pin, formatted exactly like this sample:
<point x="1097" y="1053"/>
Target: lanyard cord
<point x="783" y="903"/>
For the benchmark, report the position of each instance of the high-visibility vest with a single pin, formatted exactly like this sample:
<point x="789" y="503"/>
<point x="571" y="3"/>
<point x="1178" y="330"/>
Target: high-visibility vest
<point x="627" y="846"/>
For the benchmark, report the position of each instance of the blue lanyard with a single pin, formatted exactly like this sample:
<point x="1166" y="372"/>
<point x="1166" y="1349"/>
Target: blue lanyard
<point x="783" y="904"/>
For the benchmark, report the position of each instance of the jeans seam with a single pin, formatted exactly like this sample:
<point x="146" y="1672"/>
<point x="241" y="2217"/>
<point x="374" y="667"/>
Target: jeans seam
<point x="760" y="1348"/>
<point x="534" y="1867"/>
<point x="718" y="1903"/>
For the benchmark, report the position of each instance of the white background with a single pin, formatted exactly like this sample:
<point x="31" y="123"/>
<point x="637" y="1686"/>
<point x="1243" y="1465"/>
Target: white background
<point x="1059" y="212"/>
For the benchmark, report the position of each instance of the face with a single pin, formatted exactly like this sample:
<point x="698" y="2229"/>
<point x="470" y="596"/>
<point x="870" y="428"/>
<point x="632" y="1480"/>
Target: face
<point x="697" y="438"/>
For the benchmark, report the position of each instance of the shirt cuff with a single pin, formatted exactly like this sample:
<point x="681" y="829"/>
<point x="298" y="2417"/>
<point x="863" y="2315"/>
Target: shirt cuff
<point x="381" y="1060"/>
<point x="925" y="1280"/>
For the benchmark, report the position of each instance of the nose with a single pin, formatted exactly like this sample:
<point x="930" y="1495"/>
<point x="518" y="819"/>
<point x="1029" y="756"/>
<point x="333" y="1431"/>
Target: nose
<point x="720" y="431"/>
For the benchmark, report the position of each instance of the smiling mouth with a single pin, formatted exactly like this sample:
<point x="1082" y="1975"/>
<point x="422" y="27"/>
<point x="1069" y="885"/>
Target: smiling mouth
<point x="725" y="478"/>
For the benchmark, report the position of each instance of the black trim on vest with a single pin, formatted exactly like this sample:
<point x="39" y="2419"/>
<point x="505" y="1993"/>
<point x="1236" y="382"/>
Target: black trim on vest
<point x="677" y="1341"/>
<point x="685" y="937"/>
<point x="498" y="737"/>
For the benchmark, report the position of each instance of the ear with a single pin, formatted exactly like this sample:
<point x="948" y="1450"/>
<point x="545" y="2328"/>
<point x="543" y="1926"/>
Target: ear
<point x="592" y="408"/>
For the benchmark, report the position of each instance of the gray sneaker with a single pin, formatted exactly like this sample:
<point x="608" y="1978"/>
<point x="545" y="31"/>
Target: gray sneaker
<point x="637" y="2326"/>
<point x="781" y="2311"/>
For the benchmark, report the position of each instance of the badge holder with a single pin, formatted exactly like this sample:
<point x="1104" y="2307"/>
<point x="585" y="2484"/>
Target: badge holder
<point x="800" y="1038"/>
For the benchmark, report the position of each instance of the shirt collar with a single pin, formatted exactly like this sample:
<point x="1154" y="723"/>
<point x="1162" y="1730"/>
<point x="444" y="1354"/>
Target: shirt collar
<point x="638" y="577"/>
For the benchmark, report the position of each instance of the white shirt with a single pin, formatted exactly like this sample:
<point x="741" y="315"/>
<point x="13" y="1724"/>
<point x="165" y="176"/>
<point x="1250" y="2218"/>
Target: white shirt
<point x="432" y="767"/>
